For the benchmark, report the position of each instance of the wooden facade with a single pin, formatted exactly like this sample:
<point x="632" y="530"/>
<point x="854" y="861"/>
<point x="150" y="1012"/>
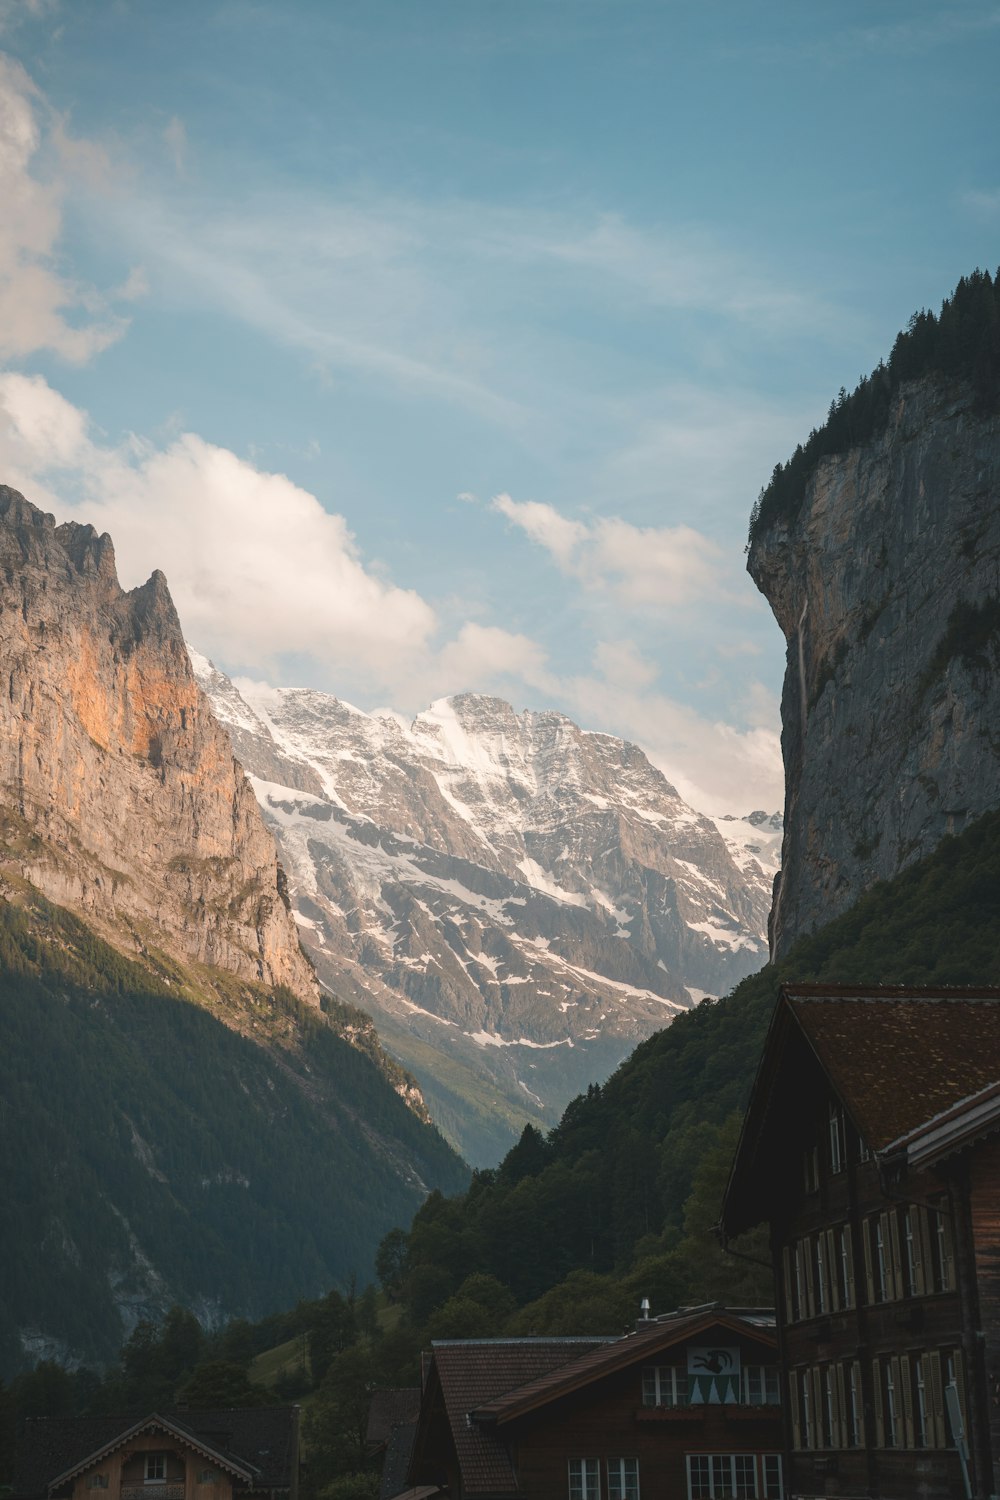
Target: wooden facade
<point x="884" y="1214"/>
<point x="212" y="1455"/>
<point x="630" y="1419"/>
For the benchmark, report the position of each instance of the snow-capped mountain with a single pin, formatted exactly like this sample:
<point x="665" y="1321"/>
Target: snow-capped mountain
<point x="518" y="902"/>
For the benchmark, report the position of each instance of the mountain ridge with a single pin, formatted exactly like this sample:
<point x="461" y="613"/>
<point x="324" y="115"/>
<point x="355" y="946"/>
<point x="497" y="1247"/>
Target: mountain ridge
<point x="518" y="900"/>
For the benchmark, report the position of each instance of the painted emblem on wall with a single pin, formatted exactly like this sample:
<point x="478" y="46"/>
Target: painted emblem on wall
<point x="713" y="1374"/>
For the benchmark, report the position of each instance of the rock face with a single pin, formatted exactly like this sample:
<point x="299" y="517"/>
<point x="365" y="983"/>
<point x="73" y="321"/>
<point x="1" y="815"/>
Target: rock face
<point x="887" y="588"/>
<point x="517" y="901"/>
<point x="119" y="791"/>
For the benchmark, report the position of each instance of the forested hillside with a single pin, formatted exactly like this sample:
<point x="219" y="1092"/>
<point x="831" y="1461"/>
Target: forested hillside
<point x="613" y="1183"/>
<point x="960" y="342"/>
<point x="155" y="1156"/>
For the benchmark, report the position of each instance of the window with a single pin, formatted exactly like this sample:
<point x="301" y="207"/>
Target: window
<point x="97" y="1481"/>
<point x="845" y="1266"/>
<point x="910" y="1253"/>
<point x="156" y="1468"/>
<point x="829" y="1409"/>
<point x="919" y="1403"/>
<point x="760" y="1385"/>
<point x="805" y="1395"/>
<point x="942" y="1259"/>
<point x="623" y="1479"/>
<point x="664" y="1385"/>
<point x="584" y="1479"/>
<point x="810" y="1170"/>
<point x="733" y="1476"/>
<point x="881" y="1264"/>
<point x="773" y="1487"/>
<point x="854" y="1438"/>
<point x="820" y="1263"/>
<point x="838" y="1139"/>
<point x="801" y="1305"/>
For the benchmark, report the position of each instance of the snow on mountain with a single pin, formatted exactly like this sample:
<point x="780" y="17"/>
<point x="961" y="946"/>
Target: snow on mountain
<point x="517" y="901"/>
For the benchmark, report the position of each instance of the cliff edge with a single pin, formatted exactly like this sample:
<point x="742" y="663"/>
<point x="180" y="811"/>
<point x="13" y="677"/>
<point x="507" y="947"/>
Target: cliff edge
<point x="119" y="794"/>
<point x="886" y="583"/>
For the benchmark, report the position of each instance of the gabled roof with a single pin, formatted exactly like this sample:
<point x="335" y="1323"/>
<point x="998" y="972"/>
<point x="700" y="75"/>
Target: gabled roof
<point x="156" y="1423"/>
<point x="258" y="1445"/>
<point x="472" y="1372"/>
<point x="894" y="1056"/>
<point x="598" y="1364"/>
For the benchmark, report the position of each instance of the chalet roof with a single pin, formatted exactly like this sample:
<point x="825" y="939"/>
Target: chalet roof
<point x="258" y="1444"/>
<point x="473" y="1372"/>
<point x="635" y="1348"/>
<point x="390" y="1408"/>
<point x="952" y="1129"/>
<point x="895" y="1057"/>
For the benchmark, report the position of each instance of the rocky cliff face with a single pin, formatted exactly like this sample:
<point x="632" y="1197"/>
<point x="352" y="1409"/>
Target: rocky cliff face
<point x="887" y="588"/>
<point x="518" y="902"/>
<point x="118" y="790"/>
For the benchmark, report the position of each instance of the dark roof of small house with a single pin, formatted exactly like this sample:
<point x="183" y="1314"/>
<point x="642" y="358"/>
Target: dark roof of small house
<point x="389" y="1408"/>
<point x="895" y="1056"/>
<point x="654" y="1339"/>
<point x="397" y="1460"/>
<point x="475" y="1371"/>
<point x="258" y="1440"/>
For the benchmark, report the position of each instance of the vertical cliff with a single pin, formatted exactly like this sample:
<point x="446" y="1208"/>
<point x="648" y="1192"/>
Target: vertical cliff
<point x="885" y="580"/>
<point x="119" y="794"/>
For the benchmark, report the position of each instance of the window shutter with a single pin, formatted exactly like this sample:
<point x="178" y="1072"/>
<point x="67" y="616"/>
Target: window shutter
<point x="849" y="1242"/>
<point x="786" y="1268"/>
<point x="897" y="1284"/>
<point x="936" y="1437"/>
<point x="866" y="1237"/>
<point x="919" y="1233"/>
<point x="832" y="1269"/>
<point x="840" y="1401"/>
<point x="948" y="1252"/>
<point x="862" y="1429"/>
<point x="960" y="1383"/>
<point x="925" y="1227"/>
<point x="819" y="1407"/>
<point x="810" y="1281"/>
<point x="793" y="1391"/>
<point x="906" y="1390"/>
<point x="877" y="1384"/>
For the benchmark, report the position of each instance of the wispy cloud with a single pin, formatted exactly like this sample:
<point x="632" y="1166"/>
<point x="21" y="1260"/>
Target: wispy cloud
<point x="663" y="567"/>
<point x="41" y="308"/>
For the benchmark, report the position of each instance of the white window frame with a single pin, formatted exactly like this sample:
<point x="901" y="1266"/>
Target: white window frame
<point x="619" y="1478"/>
<point x="881" y="1267"/>
<point x="669" y="1385"/>
<point x="854" y="1424"/>
<point x="768" y="1383"/>
<point x="845" y="1268"/>
<point x="159" y="1462"/>
<point x="724" y="1488"/>
<point x="920" y="1404"/>
<point x="891" y="1398"/>
<point x="838" y="1139"/>
<point x="585" y="1482"/>
<point x="778" y="1474"/>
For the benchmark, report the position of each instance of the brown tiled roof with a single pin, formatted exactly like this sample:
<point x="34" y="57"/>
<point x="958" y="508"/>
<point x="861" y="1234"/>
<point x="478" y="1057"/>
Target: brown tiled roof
<point x="896" y="1057"/>
<point x="261" y="1439"/>
<point x="473" y="1372"/>
<point x="390" y="1408"/>
<point x="607" y="1359"/>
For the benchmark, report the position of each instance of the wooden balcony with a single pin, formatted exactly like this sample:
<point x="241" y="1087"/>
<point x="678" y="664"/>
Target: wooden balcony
<point x="152" y="1492"/>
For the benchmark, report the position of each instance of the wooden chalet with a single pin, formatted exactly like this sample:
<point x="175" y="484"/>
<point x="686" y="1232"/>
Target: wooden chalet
<point x="871" y="1146"/>
<point x="684" y="1407"/>
<point x="182" y="1455"/>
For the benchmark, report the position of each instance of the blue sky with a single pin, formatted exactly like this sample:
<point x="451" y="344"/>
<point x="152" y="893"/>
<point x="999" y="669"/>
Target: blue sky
<point x="432" y="345"/>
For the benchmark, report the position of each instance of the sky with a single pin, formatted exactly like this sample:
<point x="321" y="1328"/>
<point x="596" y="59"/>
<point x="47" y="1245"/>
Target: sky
<point x="432" y="346"/>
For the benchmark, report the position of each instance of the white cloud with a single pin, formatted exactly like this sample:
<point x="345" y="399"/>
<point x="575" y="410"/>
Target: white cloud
<point x="985" y="204"/>
<point x="176" y="142"/>
<point x="257" y="568"/>
<point x="262" y="576"/>
<point x="660" y="566"/>
<point x="715" y="766"/>
<point x="39" y="308"/>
